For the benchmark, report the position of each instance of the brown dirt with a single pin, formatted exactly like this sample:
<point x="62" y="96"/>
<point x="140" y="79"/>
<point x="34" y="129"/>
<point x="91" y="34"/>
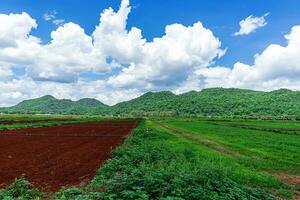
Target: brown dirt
<point x="51" y="157"/>
<point x="292" y="180"/>
<point x="289" y="179"/>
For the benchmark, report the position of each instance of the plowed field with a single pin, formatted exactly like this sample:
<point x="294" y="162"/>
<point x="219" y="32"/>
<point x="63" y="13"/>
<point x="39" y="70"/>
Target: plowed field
<point x="51" y="157"/>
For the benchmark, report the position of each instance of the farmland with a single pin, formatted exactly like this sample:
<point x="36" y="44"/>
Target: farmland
<point x="162" y="159"/>
<point x="60" y="155"/>
<point x="266" y="147"/>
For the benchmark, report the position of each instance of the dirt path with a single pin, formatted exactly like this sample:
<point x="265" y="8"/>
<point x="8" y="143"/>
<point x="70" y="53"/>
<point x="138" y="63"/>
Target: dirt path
<point x="201" y="140"/>
<point x="292" y="180"/>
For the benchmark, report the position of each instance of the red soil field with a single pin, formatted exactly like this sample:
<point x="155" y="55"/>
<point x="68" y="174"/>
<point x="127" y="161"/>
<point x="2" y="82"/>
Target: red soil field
<point x="66" y="155"/>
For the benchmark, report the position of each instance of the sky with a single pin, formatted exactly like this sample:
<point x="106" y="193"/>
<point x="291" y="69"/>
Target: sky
<point x="116" y="50"/>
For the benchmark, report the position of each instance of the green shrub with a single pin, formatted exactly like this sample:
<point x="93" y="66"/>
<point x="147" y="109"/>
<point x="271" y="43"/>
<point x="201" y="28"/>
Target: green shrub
<point x="20" y="189"/>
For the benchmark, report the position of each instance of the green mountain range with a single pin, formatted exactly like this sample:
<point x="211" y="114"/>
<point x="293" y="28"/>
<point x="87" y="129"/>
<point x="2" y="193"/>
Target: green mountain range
<point x="208" y="102"/>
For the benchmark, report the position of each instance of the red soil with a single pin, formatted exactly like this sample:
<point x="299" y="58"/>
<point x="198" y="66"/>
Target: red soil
<point x="51" y="157"/>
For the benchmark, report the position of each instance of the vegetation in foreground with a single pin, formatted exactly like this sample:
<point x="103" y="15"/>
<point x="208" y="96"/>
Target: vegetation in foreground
<point x="157" y="162"/>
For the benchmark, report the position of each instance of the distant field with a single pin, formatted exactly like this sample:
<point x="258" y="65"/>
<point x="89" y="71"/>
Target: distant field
<point x="279" y="126"/>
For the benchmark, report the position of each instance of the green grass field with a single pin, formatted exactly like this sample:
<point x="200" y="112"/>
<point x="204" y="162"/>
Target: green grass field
<point x="176" y="159"/>
<point x="263" y="152"/>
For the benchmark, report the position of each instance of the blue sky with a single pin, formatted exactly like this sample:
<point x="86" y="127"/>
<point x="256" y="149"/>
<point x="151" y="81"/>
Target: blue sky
<point x="114" y="64"/>
<point x="152" y="16"/>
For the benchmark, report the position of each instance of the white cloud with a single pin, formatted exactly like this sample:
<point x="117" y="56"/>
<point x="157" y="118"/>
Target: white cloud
<point x="112" y="38"/>
<point x="251" y="24"/>
<point x="181" y="60"/>
<point x="276" y="67"/>
<point x="48" y="16"/>
<point x="14" y="28"/>
<point x="58" y="22"/>
<point x="162" y="62"/>
<point x="69" y="53"/>
<point x="5" y="72"/>
<point x="170" y="59"/>
<point x="51" y="16"/>
<point x="274" y="63"/>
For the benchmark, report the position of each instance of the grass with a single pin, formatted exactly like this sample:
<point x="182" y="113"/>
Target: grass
<point x="291" y="127"/>
<point x="272" y="124"/>
<point x="43" y="124"/>
<point x="21" y="189"/>
<point x="259" y="150"/>
<point x="25" y="117"/>
<point x="180" y="159"/>
<point x="37" y="124"/>
<point x="29" y="121"/>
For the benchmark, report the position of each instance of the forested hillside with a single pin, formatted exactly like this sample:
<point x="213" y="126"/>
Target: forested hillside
<point x="50" y="105"/>
<point x="208" y="102"/>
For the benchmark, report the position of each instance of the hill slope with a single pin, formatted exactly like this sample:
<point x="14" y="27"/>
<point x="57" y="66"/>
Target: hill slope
<point x="50" y="105"/>
<point x="208" y="102"/>
<point x="150" y="103"/>
<point x="215" y="102"/>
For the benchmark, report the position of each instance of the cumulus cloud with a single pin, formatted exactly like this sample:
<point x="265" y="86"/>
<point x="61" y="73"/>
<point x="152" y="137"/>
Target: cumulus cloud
<point x="251" y="24"/>
<point x="276" y="67"/>
<point x="275" y="62"/>
<point x="15" y="28"/>
<point x="159" y="64"/>
<point x="163" y="62"/>
<point x="181" y="60"/>
<point x="112" y="38"/>
<point x="69" y="53"/>
<point x="168" y="60"/>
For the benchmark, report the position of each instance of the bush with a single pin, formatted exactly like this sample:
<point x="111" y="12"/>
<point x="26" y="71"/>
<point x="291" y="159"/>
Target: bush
<point x="20" y="189"/>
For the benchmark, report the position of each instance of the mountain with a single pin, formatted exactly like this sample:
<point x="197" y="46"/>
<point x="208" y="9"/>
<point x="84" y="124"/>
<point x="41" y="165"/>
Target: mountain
<point x="50" y="105"/>
<point x="151" y="102"/>
<point x="214" y="102"/>
<point x="208" y="102"/>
